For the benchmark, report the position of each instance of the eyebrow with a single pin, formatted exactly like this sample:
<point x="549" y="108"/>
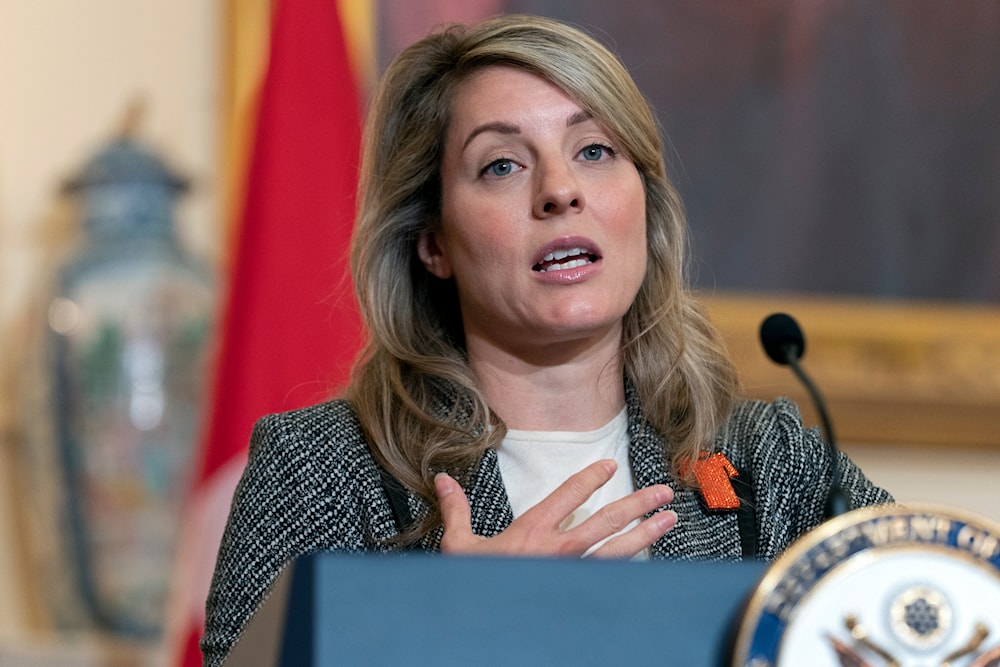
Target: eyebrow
<point x="502" y="127"/>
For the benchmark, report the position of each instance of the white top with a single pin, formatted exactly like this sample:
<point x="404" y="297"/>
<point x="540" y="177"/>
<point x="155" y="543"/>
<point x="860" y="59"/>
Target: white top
<point x="534" y="463"/>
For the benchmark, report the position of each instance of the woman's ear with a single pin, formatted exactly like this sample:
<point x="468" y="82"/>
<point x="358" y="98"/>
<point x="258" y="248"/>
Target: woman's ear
<point x="432" y="256"/>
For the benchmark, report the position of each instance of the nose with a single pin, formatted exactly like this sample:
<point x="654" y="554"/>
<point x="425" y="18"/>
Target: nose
<point x="558" y="190"/>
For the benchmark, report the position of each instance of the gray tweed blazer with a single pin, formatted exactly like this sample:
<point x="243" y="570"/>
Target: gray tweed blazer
<point x="311" y="484"/>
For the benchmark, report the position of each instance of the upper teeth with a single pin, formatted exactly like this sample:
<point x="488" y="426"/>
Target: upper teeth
<point x="563" y="254"/>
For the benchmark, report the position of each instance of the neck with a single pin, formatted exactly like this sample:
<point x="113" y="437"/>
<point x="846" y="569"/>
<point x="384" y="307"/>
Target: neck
<point x="566" y="386"/>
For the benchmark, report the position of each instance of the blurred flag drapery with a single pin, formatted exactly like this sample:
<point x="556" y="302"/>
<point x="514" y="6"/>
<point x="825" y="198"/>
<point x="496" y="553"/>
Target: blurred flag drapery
<point x="290" y="326"/>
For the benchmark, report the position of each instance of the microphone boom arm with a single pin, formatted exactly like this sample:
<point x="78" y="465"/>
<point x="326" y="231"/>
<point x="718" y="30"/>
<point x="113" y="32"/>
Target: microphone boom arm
<point x="784" y="344"/>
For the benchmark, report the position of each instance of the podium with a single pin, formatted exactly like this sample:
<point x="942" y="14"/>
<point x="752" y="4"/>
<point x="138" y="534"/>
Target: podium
<point x="340" y="609"/>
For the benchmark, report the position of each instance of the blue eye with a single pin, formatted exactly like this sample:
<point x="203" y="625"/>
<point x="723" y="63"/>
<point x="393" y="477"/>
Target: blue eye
<point x="500" y="167"/>
<point x="595" y="152"/>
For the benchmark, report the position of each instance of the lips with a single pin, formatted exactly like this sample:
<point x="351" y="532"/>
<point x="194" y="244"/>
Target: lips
<point x="565" y="255"/>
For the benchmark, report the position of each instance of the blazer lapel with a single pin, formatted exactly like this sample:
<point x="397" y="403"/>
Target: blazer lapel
<point x="697" y="534"/>
<point x="488" y="502"/>
<point x="647" y="456"/>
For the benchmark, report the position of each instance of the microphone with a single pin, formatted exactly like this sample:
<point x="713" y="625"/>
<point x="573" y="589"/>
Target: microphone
<point x="785" y="345"/>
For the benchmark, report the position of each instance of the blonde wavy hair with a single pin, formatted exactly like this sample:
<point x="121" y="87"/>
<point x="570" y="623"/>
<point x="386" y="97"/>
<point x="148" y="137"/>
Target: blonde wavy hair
<point x="412" y="387"/>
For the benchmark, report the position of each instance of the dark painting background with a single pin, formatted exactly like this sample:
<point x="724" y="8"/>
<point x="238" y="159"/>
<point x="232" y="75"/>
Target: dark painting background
<point x="845" y="147"/>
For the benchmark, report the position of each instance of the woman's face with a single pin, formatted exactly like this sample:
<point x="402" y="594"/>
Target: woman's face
<point x="542" y="220"/>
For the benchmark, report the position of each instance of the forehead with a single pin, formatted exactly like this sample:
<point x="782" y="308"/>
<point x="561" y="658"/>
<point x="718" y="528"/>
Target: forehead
<point x="505" y="81"/>
<point x="506" y="94"/>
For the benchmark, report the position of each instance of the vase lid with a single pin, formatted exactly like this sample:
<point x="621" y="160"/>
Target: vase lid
<point x="124" y="160"/>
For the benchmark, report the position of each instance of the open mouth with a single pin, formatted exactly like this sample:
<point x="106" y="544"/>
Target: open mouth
<point x="561" y="260"/>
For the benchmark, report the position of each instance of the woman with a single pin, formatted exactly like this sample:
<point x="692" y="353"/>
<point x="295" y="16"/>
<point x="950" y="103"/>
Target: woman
<point x="538" y="380"/>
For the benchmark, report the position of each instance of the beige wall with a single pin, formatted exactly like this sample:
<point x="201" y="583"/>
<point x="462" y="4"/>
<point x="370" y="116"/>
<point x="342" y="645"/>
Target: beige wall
<point x="68" y="71"/>
<point x="965" y="479"/>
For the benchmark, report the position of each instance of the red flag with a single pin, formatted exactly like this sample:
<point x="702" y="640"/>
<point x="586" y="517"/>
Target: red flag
<point x="290" y="329"/>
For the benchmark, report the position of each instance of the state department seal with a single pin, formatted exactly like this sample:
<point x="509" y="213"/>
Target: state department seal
<point x="888" y="586"/>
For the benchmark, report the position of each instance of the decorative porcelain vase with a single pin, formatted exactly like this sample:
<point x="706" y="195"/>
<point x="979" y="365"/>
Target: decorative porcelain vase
<point x="128" y="331"/>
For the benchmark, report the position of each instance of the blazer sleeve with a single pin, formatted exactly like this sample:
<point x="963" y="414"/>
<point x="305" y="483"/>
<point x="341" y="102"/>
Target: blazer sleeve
<point x="792" y="472"/>
<point x="305" y="488"/>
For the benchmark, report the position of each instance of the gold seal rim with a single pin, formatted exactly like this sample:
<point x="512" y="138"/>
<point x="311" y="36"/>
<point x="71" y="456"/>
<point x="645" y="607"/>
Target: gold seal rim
<point x="778" y="569"/>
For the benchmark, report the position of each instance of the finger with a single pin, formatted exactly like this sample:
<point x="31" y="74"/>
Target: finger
<point x="455" y="513"/>
<point x="615" y="517"/>
<point x="641" y="537"/>
<point x="572" y="493"/>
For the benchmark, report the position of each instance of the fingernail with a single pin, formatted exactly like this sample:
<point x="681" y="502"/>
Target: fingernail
<point x="666" y="520"/>
<point x="610" y="466"/>
<point x="442" y="486"/>
<point x="664" y="495"/>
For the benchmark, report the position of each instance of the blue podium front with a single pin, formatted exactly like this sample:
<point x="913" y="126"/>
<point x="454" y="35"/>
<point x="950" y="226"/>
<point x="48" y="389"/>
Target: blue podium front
<point x="338" y="609"/>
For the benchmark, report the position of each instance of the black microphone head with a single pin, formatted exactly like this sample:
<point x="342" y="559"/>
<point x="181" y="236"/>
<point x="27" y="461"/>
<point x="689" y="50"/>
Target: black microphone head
<point x="781" y="337"/>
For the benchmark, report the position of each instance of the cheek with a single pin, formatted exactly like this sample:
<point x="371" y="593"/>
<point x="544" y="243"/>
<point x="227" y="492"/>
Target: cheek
<point x="629" y="200"/>
<point x="634" y="239"/>
<point x="631" y="225"/>
<point x="476" y="242"/>
<point x="475" y="226"/>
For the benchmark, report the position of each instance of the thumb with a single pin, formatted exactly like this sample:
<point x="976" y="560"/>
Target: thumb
<point x="455" y="512"/>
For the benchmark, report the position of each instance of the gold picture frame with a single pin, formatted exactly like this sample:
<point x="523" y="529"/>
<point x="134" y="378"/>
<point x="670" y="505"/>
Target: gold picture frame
<point x="892" y="372"/>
